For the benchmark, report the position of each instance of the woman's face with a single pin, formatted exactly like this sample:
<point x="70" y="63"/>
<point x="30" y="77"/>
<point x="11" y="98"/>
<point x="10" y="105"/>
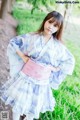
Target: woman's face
<point x="50" y="27"/>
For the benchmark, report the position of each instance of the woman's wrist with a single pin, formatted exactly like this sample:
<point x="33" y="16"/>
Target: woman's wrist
<point x="25" y="58"/>
<point x="57" y="69"/>
<point x="54" y="69"/>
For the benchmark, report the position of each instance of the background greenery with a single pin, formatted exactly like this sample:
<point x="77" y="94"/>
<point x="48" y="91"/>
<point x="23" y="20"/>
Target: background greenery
<point x="68" y="95"/>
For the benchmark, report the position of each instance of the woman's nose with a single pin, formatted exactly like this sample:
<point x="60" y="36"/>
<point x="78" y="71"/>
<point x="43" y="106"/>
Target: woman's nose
<point x="51" y="26"/>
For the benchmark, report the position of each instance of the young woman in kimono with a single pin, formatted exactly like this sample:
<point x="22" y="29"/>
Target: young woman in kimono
<point x="29" y="95"/>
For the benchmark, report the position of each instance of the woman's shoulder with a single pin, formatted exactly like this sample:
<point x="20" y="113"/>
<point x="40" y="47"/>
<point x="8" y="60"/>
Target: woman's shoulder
<point x="30" y="35"/>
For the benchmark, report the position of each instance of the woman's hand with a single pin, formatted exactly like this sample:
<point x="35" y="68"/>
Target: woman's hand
<point x="24" y="57"/>
<point x="54" y="69"/>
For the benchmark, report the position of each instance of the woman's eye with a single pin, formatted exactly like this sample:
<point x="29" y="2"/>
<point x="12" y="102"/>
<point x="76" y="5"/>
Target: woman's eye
<point x="50" y="21"/>
<point x="55" y="25"/>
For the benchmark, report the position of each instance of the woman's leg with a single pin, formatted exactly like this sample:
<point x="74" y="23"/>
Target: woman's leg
<point x="29" y="117"/>
<point x="16" y="116"/>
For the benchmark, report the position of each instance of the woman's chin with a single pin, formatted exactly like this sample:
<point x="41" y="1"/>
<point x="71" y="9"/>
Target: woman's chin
<point x="49" y="33"/>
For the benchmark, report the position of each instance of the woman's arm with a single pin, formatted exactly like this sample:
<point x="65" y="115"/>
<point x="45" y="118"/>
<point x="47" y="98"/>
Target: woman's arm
<point x="18" y="43"/>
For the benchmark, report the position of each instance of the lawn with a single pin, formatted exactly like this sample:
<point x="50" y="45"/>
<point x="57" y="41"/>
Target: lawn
<point x="68" y="95"/>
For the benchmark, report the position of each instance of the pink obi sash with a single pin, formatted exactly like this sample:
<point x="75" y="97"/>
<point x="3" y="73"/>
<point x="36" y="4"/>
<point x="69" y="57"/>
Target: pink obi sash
<point x="36" y="71"/>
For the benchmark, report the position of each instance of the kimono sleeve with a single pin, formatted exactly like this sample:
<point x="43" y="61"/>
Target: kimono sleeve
<point x="66" y="64"/>
<point x="20" y="42"/>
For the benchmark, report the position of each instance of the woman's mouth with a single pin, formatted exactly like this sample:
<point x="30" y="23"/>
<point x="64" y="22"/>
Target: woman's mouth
<point x="49" y="30"/>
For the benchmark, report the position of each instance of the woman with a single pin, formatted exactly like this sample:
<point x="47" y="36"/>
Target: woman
<point x="38" y="62"/>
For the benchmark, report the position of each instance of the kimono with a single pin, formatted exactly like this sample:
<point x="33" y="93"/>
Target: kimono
<point x="28" y="95"/>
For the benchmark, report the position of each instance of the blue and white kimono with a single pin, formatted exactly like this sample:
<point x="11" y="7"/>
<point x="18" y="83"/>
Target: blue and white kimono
<point x="28" y="95"/>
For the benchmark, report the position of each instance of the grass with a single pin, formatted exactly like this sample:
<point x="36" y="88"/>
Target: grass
<point x="28" y="22"/>
<point x="68" y="95"/>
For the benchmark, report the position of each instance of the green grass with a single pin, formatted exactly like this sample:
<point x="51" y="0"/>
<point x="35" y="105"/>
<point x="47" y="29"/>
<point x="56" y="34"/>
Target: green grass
<point x="68" y="95"/>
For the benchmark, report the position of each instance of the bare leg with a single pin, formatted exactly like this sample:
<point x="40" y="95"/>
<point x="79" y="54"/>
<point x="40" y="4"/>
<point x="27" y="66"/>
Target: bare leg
<point x="16" y="116"/>
<point x="29" y="117"/>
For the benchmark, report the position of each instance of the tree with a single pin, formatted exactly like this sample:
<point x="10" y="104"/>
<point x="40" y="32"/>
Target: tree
<point x="6" y="10"/>
<point x="7" y="30"/>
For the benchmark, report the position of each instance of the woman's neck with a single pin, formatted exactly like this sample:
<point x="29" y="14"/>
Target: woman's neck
<point x="46" y="36"/>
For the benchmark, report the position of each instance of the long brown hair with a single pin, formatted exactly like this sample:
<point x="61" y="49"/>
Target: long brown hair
<point x="56" y="17"/>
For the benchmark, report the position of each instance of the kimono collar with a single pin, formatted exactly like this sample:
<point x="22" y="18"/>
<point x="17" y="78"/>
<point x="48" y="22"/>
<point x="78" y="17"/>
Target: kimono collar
<point x="43" y="40"/>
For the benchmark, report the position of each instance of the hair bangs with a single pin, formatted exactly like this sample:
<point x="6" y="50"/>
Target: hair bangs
<point x="57" y="22"/>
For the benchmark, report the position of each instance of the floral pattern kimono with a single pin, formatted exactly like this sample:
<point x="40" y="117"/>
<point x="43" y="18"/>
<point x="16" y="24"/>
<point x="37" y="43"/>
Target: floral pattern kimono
<point x="28" y="95"/>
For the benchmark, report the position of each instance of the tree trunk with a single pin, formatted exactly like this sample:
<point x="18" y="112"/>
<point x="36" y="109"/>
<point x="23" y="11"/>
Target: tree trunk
<point x="8" y="26"/>
<point x="67" y="14"/>
<point x="6" y="7"/>
<point x="3" y="8"/>
<point x="10" y="4"/>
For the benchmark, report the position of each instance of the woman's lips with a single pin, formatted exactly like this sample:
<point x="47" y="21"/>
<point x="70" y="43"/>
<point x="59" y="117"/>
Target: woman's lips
<point x="49" y="30"/>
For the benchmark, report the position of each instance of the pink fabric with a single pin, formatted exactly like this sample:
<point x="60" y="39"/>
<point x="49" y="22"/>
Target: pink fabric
<point x="36" y="70"/>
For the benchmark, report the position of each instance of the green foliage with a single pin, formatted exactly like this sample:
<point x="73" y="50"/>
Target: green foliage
<point x="28" y="20"/>
<point x="68" y="95"/>
<point x="37" y="3"/>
